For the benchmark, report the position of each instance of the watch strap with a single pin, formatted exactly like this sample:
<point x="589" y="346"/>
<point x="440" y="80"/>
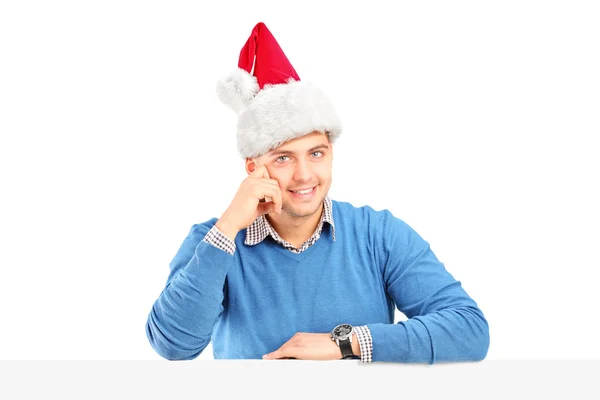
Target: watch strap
<point x="346" y="348"/>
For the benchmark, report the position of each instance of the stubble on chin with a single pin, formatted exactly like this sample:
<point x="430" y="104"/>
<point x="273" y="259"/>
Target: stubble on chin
<point x="290" y="211"/>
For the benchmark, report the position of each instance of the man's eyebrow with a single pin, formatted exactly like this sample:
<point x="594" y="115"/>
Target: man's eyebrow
<point x="278" y="152"/>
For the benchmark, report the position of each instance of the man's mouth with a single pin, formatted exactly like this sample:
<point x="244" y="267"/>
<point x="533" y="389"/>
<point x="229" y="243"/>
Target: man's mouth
<point x="304" y="193"/>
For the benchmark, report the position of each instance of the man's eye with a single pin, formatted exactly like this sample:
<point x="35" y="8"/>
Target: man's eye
<point x="281" y="158"/>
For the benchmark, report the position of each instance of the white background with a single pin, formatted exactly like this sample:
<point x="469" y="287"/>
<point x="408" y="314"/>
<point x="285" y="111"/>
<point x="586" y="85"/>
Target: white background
<point x="475" y="122"/>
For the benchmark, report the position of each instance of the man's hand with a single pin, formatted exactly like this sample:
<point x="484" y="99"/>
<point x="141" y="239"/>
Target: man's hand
<point x="308" y="346"/>
<point x="258" y="194"/>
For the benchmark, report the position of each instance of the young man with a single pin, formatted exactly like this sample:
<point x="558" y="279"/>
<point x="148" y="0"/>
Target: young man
<point x="287" y="272"/>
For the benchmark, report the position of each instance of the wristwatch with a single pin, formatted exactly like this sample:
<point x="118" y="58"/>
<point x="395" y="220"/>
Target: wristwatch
<point x="342" y="335"/>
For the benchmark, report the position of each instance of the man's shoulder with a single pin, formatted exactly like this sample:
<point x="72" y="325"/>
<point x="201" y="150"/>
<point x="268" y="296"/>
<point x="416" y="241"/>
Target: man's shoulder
<point x="349" y="209"/>
<point x="204" y="226"/>
<point x="199" y="229"/>
<point x="377" y="218"/>
<point x="347" y="206"/>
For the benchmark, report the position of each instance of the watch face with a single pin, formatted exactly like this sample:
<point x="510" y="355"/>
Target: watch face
<point x="342" y="331"/>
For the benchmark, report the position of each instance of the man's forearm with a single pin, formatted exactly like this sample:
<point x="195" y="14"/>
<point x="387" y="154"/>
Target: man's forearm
<point x="181" y="321"/>
<point x="459" y="334"/>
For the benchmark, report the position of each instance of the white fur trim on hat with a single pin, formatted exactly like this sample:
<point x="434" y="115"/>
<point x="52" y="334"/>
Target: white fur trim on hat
<point x="282" y="112"/>
<point x="237" y="89"/>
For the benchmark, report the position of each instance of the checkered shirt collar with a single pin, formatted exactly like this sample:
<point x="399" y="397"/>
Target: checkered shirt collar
<point x="261" y="228"/>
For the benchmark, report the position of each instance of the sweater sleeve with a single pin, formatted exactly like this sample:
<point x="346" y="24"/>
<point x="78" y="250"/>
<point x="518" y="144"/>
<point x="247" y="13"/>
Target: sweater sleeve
<point x="181" y="321"/>
<point x="443" y="323"/>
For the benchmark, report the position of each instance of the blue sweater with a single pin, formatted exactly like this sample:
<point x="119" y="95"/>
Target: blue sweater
<point x="250" y="303"/>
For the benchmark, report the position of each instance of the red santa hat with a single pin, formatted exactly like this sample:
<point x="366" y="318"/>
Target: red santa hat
<point x="273" y="106"/>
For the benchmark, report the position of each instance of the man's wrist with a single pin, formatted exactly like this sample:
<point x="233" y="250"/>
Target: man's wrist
<point x="226" y="229"/>
<point x="355" y="345"/>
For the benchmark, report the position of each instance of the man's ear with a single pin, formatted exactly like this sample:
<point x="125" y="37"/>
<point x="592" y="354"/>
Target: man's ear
<point x="250" y="165"/>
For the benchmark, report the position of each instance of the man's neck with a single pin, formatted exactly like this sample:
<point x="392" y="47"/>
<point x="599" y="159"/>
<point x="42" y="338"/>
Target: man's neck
<point x="296" y="230"/>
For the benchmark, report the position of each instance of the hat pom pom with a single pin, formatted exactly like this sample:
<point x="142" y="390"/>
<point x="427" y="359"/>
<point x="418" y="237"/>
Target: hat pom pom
<point x="237" y="89"/>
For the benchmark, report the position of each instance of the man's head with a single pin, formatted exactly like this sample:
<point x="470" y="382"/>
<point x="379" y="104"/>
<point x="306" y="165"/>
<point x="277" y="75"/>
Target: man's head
<point x="301" y="163"/>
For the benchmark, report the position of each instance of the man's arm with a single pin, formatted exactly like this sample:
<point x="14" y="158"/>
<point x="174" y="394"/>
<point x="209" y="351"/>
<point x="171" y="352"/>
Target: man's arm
<point x="444" y="324"/>
<point x="181" y="321"/>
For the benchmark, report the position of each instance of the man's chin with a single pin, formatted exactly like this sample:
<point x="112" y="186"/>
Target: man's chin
<point x="304" y="210"/>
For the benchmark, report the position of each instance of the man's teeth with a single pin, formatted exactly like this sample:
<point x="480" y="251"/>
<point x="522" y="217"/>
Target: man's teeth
<point x="304" y="191"/>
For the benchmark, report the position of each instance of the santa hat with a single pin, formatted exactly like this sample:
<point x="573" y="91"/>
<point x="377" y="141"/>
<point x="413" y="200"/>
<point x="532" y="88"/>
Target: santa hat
<point x="273" y="106"/>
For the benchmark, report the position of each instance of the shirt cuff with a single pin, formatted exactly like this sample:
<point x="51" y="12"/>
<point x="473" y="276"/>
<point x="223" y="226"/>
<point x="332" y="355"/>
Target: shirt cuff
<point x="219" y="240"/>
<point x="365" y="342"/>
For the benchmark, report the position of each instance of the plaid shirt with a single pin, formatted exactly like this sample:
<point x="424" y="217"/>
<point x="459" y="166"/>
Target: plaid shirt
<point x="261" y="228"/>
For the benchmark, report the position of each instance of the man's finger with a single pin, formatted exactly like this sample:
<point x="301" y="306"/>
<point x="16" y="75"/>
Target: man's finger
<point x="273" y="355"/>
<point x="260" y="172"/>
<point x="273" y="184"/>
<point x="266" y="208"/>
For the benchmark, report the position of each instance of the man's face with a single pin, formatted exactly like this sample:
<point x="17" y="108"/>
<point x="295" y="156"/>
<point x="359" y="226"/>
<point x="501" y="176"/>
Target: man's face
<point x="302" y="163"/>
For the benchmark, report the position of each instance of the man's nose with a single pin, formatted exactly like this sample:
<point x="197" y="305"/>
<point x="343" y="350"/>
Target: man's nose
<point x="302" y="172"/>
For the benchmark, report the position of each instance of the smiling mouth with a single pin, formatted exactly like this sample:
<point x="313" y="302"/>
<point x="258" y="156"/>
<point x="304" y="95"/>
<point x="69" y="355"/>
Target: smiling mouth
<point x="303" y="193"/>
